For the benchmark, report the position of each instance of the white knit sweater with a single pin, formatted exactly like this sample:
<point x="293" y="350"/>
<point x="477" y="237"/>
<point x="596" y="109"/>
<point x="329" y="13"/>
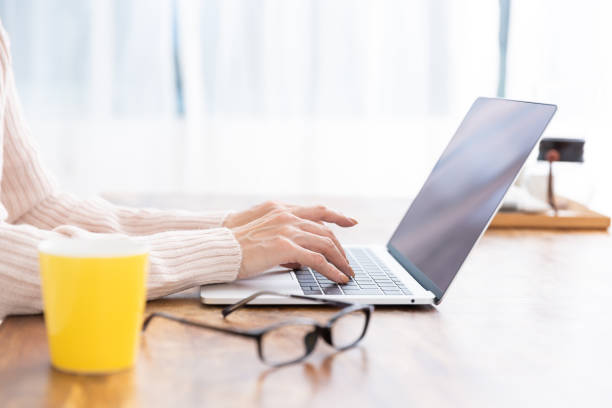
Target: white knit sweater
<point x="187" y="249"/>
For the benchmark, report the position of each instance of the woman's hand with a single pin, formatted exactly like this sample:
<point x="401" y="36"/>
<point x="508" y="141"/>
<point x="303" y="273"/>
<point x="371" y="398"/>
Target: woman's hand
<point x="273" y="234"/>
<point x="317" y="213"/>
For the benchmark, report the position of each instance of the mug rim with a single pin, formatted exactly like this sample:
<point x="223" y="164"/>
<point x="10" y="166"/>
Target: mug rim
<point x="101" y="246"/>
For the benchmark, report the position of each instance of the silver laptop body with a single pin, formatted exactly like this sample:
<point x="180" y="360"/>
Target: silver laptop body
<point x="444" y="222"/>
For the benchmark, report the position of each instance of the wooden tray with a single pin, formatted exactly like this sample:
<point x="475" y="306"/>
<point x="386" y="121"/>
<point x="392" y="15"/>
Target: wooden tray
<point x="576" y="216"/>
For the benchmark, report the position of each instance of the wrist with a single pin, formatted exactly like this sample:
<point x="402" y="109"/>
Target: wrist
<point x="227" y="220"/>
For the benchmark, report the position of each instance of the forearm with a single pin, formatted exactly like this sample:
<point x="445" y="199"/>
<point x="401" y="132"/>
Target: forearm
<point x="19" y="272"/>
<point x="178" y="260"/>
<point x="98" y="215"/>
<point x="185" y="259"/>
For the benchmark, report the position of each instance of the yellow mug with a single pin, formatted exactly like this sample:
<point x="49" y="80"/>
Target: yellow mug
<point x="94" y="293"/>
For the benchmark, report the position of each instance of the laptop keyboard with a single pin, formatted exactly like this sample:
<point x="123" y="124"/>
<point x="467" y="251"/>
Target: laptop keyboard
<point x="372" y="277"/>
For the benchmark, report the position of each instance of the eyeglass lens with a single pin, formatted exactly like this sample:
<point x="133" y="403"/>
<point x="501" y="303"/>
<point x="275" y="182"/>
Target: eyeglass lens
<point x="288" y="343"/>
<point x="348" y="329"/>
<point x="292" y="342"/>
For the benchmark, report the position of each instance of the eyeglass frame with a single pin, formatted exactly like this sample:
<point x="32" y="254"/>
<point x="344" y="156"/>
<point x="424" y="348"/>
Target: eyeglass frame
<point x="322" y="331"/>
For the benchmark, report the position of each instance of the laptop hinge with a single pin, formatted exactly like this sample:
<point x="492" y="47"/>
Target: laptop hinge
<point x="416" y="273"/>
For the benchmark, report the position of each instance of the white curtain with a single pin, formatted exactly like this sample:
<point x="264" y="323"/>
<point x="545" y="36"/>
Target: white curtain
<point x="342" y="58"/>
<point x="270" y="96"/>
<point x="75" y="58"/>
<point x="97" y="82"/>
<point x="329" y="96"/>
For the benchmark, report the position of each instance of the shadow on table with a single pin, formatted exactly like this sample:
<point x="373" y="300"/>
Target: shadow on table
<point x="63" y="389"/>
<point x="421" y="309"/>
<point x="316" y="376"/>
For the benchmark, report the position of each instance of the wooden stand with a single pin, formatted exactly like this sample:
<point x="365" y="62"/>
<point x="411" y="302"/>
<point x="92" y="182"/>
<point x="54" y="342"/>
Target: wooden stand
<point x="575" y="216"/>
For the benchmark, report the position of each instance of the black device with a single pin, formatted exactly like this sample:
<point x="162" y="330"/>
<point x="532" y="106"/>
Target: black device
<point x="558" y="149"/>
<point x="570" y="150"/>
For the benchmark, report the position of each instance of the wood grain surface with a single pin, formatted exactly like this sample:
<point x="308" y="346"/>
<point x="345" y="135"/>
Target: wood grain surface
<point x="574" y="216"/>
<point x="527" y="323"/>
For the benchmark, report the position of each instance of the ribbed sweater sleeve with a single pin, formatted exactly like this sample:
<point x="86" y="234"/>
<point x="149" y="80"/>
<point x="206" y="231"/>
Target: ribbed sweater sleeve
<point x="187" y="248"/>
<point x="178" y="260"/>
<point x="98" y="215"/>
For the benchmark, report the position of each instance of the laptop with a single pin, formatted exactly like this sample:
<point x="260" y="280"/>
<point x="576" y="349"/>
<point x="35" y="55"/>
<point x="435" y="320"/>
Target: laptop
<point x="441" y="227"/>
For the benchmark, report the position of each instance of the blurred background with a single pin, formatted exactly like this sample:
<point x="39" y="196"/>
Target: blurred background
<point x="297" y="96"/>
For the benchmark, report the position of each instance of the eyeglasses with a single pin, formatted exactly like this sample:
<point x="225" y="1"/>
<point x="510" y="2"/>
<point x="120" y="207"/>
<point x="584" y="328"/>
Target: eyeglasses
<point x="291" y="341"/>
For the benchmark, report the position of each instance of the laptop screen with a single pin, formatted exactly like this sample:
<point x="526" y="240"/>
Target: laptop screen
<point x="466" y="187"/>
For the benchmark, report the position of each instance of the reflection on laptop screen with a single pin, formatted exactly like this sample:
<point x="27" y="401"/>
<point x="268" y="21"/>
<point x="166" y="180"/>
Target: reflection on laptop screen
<point x="466" y="186"/>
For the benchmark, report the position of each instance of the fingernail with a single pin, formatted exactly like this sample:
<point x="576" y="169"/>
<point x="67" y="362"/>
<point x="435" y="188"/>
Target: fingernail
<point x="345" y="279"/>
<point x="354" y="221"/>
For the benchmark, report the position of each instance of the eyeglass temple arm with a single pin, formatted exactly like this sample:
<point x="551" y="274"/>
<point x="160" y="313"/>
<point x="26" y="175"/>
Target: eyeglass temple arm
<point x="237" y="332"/>
<point x="232" y="308"/>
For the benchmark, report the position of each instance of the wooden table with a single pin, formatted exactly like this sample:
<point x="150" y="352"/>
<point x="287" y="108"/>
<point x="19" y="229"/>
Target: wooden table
<point x="527" y="323"/>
